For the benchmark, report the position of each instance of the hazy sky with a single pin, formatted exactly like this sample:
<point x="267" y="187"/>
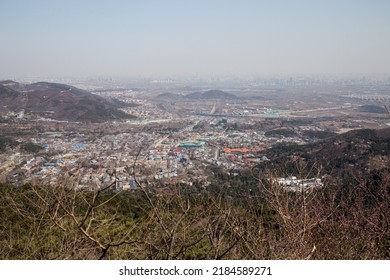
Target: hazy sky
<point x="183" y="37"/>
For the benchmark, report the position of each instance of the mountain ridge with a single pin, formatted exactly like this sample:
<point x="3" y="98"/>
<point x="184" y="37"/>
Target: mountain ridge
<point x="65" y="102"/>
<point x="211" y="94"/>
<point x="363" y="149"/>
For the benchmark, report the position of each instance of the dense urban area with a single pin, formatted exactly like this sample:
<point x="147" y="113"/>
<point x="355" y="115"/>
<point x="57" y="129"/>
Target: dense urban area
<point x="181" y="128"/>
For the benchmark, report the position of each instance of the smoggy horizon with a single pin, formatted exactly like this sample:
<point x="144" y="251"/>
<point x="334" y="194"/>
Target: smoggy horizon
<point x="194" y="38"/>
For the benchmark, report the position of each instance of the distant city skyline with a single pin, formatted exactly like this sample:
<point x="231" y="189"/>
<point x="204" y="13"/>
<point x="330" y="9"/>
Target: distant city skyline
<point x="187" y="38"/>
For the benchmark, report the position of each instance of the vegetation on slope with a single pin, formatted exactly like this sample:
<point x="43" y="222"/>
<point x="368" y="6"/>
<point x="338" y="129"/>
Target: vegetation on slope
<point x="60" y="102"/>
<point x="343" y="220"/>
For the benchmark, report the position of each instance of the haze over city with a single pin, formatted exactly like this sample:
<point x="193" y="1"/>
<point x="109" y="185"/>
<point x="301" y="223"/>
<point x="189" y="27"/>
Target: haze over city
<point x="187" y="38"/>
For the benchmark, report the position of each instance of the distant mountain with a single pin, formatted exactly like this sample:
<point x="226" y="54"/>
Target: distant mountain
<point x="255" y="97"/>
<point x="212" y="94"/>
<point x="7" y="92"/>
<point x="372" y="109"/>
<point x="169" y="95"/>
<point x="58" y="101"/>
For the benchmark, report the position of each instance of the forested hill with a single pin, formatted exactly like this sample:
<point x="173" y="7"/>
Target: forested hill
<point x="58" y="101"/>
<point x="362" y="150"/>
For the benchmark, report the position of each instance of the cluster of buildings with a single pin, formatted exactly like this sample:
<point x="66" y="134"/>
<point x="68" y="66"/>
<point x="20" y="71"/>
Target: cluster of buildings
<point x="294" y="184"/>
<point x="167" y="151"/>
